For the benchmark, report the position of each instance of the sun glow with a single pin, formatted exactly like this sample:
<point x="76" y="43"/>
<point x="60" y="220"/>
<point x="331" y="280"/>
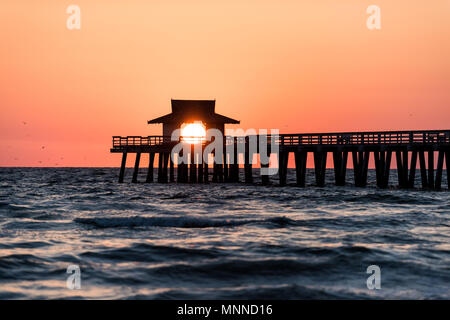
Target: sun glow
<point x="193" y="132"/>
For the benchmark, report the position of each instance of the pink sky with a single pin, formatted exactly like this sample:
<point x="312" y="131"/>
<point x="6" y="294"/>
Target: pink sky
<point x="299" y="66"/>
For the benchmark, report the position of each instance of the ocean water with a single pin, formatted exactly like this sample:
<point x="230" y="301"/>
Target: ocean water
<point x="217" y="241"/>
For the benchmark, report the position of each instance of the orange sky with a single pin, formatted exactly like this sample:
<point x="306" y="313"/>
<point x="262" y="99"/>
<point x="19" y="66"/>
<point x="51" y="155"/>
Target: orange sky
<point x="299" y="66"/>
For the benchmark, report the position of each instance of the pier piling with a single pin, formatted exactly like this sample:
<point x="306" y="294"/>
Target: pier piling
<point x="283" y="158"/>
<point x="412" y="169"/>
<point x="247" y="162"/>
<point x="447" y="166"/>
<point x="360" y="167"/>
<point x="193" y="166"/>
<point x="382" y="167"/>
<point x="160" y="167"/>
<point x="423" y="169"/>
<point x="122" y="167"/>
<point x="340" y="166"/>
<point x="171" y="169"/>
<point x="136" y="167"/>
<point x="300" y="167"/>
<point x="320" y="165"/>
<point x="431" y="169"/>
<point x="440" y="165"/>
<point x="166" y="157"/>
<point x="151" y="159"/>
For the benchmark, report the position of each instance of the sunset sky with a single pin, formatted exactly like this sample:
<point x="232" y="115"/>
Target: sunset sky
<point x="298" y="66"/>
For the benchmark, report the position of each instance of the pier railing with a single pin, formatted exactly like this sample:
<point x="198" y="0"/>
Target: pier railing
<point x="364" y="138"/>
<point x="119" y="141"/>
<point x="342" y="138"/>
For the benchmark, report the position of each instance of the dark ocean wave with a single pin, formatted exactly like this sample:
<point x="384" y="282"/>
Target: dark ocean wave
<point x="282" y="292"/>
<point x="29" y="244"/>
<point x="177" y="222"/>
<point x="142" y="252"/>
<point x="225" y="271"/>
<point x="227" y="241"/>
<point x="180" y="222"/>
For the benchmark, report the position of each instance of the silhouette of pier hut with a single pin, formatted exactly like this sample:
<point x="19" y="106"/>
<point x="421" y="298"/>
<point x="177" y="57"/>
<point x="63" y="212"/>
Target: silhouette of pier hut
<point x="412" y="150"/>
<point x="184" y="112"/>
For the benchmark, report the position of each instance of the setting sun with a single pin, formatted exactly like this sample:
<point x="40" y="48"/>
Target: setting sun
<point x="193" y="132"/>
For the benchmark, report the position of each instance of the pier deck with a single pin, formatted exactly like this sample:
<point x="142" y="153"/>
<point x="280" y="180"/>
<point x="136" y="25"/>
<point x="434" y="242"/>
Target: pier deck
<point x="412" y="150"/>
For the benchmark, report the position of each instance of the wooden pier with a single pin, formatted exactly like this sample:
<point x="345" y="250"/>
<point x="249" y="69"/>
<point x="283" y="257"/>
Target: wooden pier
<point x="411" y="149"/>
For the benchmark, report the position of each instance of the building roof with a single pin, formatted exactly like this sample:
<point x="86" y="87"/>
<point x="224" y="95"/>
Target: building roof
<point x="193" y="110"/>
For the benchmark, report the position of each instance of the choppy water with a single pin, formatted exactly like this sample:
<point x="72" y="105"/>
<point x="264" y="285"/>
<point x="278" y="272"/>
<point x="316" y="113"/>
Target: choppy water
<point x="217" y="240"/>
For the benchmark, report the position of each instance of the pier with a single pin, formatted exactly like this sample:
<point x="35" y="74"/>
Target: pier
<point x="413" y="151"/>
